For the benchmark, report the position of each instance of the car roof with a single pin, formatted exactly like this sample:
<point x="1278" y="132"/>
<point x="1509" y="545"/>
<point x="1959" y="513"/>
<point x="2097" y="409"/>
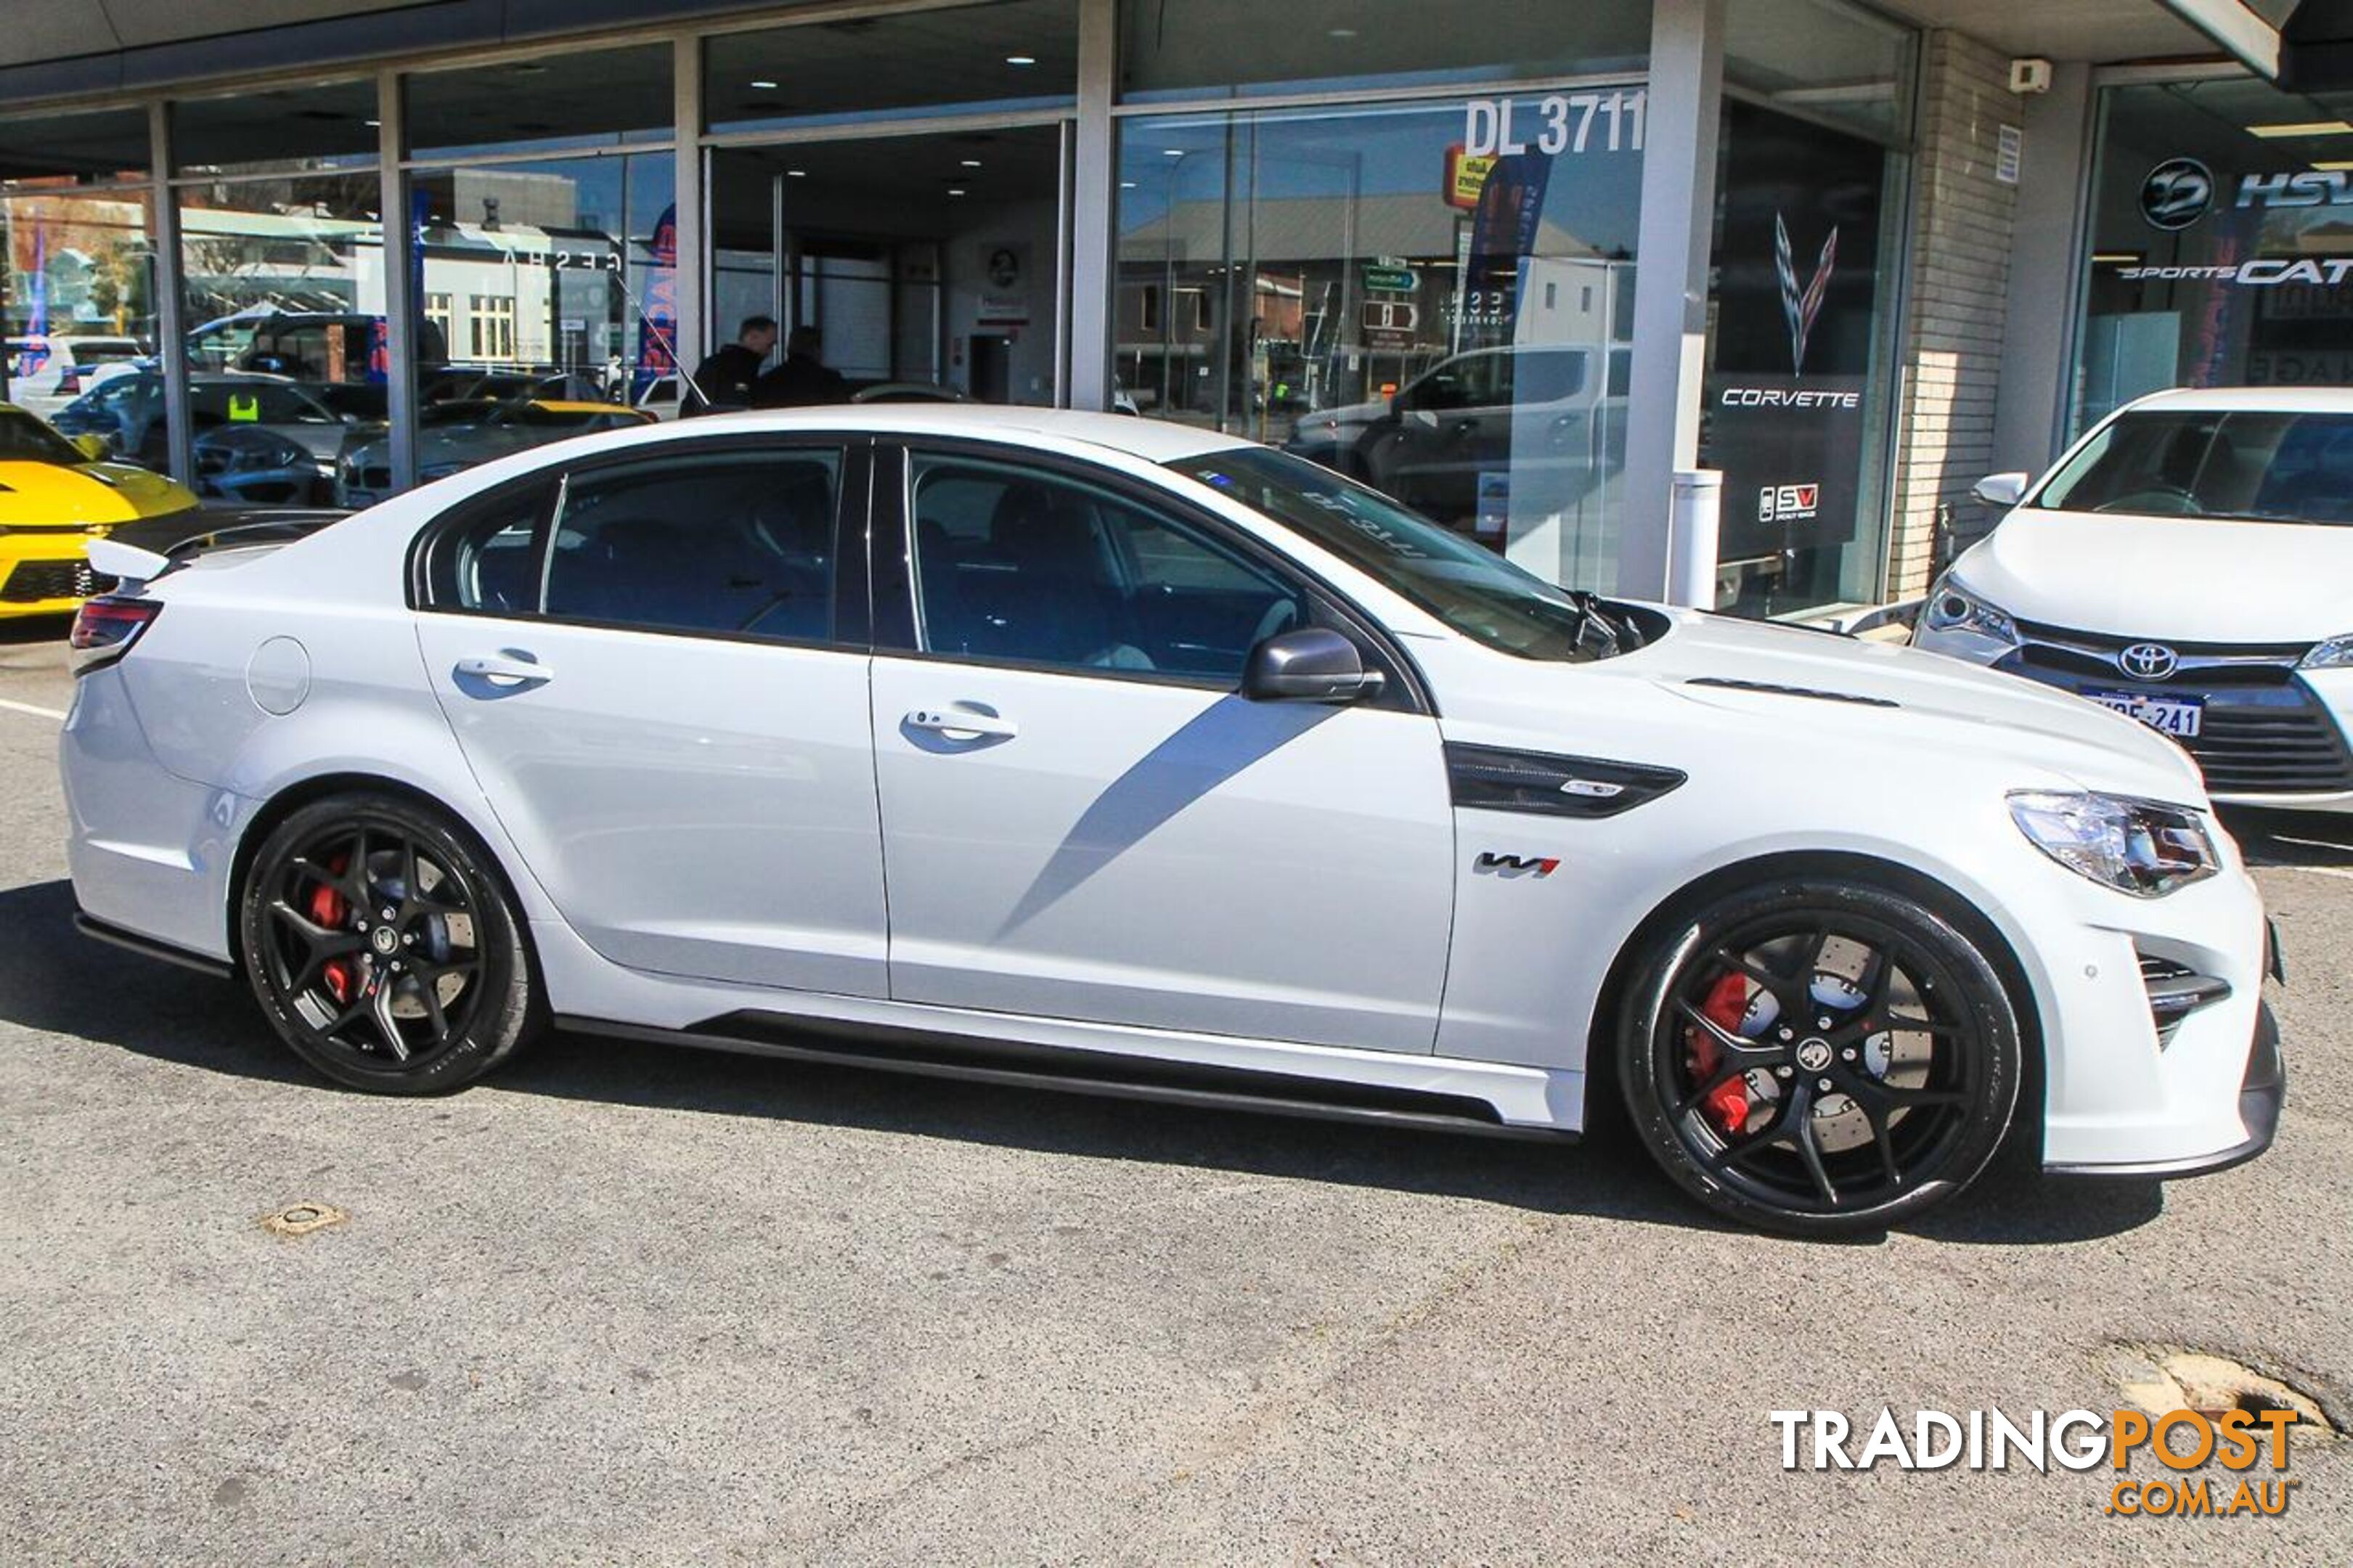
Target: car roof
<point x="1154" y="440"/>
<point x="2251" y="399"/>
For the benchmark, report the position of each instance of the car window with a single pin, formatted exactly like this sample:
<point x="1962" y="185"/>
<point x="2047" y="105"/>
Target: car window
<point x="24" y="439"/>
<point x="718" y="541"/>
<point x="486" y="557"/>
<point x="1550" y="375"/>
<point x="1032" y="566"/>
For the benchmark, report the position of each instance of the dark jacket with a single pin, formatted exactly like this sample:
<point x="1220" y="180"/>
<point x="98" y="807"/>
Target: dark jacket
<point x="798" y="383"/>
<point x="726" y="380"/>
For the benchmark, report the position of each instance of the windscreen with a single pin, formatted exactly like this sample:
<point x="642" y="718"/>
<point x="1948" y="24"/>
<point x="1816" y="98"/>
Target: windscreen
<point x="2255" y="465"/>
<point x="1469" y="587"/>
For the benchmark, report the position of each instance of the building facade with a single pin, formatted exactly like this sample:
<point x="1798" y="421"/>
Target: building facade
<point x="1517" y="265"/>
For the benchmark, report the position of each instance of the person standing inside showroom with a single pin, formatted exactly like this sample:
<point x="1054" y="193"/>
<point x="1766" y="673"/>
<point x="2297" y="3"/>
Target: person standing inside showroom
<point x="803" y="379"/>
<point x="724" y="380"/>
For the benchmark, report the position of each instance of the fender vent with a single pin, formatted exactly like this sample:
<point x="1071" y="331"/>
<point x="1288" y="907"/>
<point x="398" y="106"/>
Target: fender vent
<point x="1495" y="779"/>
<point x="1730" y="685"/>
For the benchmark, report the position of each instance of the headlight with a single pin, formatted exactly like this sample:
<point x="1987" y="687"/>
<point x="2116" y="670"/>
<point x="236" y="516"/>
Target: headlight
<point x="2136" y="846"/>
<point x="2331" y="655"/>
<point x="1954" y="606"/>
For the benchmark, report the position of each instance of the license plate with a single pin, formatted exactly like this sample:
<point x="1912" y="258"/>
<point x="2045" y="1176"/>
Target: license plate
<point x="2175" y="716"/>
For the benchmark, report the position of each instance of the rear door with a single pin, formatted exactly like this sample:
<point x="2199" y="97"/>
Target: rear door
<point x="657" y="666"/>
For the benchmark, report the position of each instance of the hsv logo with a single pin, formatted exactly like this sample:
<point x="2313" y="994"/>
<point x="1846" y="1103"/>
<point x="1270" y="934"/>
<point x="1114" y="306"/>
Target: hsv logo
<point x="1800" y="307"/>
<point x="2147" y="661"/>
<point x="1787" y="503"/>
<point x="2176" y="194"/>
<point x="1515" y="864"/>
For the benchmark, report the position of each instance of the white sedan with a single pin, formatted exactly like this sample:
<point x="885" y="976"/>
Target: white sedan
<point x="1092" y="750"/>
<point x="2188" y="563"/>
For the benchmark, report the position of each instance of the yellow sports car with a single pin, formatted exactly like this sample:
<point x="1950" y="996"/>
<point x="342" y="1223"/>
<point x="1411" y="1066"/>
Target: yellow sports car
<point x="54" y="498"/>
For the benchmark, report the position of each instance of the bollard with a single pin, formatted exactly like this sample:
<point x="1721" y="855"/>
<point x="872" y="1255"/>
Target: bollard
<point x="1692" y="529"/>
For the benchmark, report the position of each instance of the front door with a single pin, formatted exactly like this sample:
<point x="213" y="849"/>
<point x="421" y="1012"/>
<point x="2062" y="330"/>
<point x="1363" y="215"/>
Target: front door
<point x="1082" y="817"/>
<point x="647" y="674"/>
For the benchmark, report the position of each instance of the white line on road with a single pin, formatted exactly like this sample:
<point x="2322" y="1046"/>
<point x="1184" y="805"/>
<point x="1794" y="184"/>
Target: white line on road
<point x="56" y="713"/>
<point x="2315" y="870"/>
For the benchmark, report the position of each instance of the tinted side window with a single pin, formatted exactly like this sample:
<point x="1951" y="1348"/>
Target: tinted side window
<point x="1028" y="566"/>
<point x="486" y="558"/>
<point x="724" y="541"/>
<point x="1550" y="375"/>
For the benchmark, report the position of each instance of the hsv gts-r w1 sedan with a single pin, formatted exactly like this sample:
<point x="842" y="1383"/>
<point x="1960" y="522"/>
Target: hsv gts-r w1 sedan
<point x="1097" y="752"/>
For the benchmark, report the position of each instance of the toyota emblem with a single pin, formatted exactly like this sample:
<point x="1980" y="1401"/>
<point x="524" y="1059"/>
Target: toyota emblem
<point x="2147" y="661"/>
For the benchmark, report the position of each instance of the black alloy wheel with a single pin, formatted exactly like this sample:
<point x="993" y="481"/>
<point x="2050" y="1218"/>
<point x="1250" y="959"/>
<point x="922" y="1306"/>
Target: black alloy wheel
<point x="1820" y="1056"/>
<point x="383" y="949"/>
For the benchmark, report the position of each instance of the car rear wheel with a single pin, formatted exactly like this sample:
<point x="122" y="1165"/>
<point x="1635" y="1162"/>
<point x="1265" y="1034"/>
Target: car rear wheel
<point x="384" y="948"/>
<point x="1820" y="1056"/>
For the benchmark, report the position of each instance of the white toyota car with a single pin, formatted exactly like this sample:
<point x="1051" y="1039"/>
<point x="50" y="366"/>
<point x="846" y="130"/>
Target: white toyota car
<point x="2188" y="563"/>
<point x="1097" y="752"/>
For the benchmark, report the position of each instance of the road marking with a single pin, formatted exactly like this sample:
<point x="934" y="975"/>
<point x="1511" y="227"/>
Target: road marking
<point x="59" y="714"/>
<point x="2346" y="871"/>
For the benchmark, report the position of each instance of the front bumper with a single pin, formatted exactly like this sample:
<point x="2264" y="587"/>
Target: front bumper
<point x="2273" y="734"/>
<point x="47" y="573"/>
<point x="2262" y="1091"/>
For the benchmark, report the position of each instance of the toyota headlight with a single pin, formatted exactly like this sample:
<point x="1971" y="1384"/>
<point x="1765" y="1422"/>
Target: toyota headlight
<point x="2136" y="846"/>
<point x="2334" y="654"/>
<point x="1954" y="606"/>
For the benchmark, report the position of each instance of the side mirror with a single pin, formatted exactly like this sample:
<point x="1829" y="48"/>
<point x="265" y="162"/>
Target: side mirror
<point x="1311" y="664"/>
<point x="2002" y="489"/>
<point x="92" y="447"/>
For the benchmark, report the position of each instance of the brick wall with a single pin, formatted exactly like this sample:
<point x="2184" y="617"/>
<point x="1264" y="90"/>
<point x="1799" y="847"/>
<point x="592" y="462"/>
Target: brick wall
<point x="1963" y="220"/>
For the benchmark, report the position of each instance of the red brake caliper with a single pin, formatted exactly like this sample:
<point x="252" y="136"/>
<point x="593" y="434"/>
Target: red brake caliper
<point x="1726" y="1005"/>
<point x="328" y="908"/>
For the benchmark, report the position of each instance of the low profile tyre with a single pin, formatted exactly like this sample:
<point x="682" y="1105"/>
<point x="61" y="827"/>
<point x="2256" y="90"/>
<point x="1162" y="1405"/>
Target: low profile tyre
<point x="384" y="949"/>
<point x="1819" y="1056"/>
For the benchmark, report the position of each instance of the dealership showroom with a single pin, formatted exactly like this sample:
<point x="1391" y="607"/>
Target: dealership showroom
<point x="1367" y="781"/>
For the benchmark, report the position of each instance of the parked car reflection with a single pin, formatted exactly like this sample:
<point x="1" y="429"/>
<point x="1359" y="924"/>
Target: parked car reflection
<point x="455" y="436"/>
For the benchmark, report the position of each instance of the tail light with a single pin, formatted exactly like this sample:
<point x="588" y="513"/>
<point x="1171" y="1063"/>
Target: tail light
<point x="105" y="627"/>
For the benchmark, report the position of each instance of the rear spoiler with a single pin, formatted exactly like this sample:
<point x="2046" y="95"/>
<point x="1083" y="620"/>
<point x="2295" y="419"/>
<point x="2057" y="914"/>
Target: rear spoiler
<point x="196" y="530"/>
<point x="144" y="551"/>
<point x="130" y="566"/>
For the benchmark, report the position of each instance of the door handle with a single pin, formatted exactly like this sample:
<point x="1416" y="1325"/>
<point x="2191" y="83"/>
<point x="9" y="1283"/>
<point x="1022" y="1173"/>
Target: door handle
<point x="959" y="722"/>
<point x="505" y="669"/>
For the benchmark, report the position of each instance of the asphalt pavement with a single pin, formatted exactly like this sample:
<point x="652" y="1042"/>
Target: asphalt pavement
<point x="627" y="1304"/>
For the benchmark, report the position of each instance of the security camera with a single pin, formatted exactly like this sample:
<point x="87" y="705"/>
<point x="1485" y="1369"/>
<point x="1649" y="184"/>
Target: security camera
<point x="2029" y="76"/>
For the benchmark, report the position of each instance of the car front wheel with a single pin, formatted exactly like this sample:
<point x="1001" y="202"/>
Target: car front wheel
<point x="1820" y="1056"/>
<point x="384" y="948"/>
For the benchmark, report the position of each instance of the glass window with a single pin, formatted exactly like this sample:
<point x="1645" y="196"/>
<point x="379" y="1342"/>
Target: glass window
<point x="1371" y="288"/>
<point x="2221" y="251"/>
<point x="1027" y="566"/>
<point x="595" y="98"/>
<point x="283" y="281"/>
<point x="1023" y="54"/>
<point x="1484" y="598"/>
<point x="1825" y="58"/>
<point x="100" y="147"/>
<point x="487" y="557"/>
<point x="277" y="130"/>
<point x="2252" y="466"/>
<point x="555" y="280"/>
<point x="1221" y="48"/>
<point x="77" y="292"/>
<point x="701" y="542"/>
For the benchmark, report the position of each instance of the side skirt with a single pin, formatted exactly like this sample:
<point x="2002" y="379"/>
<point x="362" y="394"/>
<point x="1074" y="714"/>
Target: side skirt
<point x="934" y="1054"/>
